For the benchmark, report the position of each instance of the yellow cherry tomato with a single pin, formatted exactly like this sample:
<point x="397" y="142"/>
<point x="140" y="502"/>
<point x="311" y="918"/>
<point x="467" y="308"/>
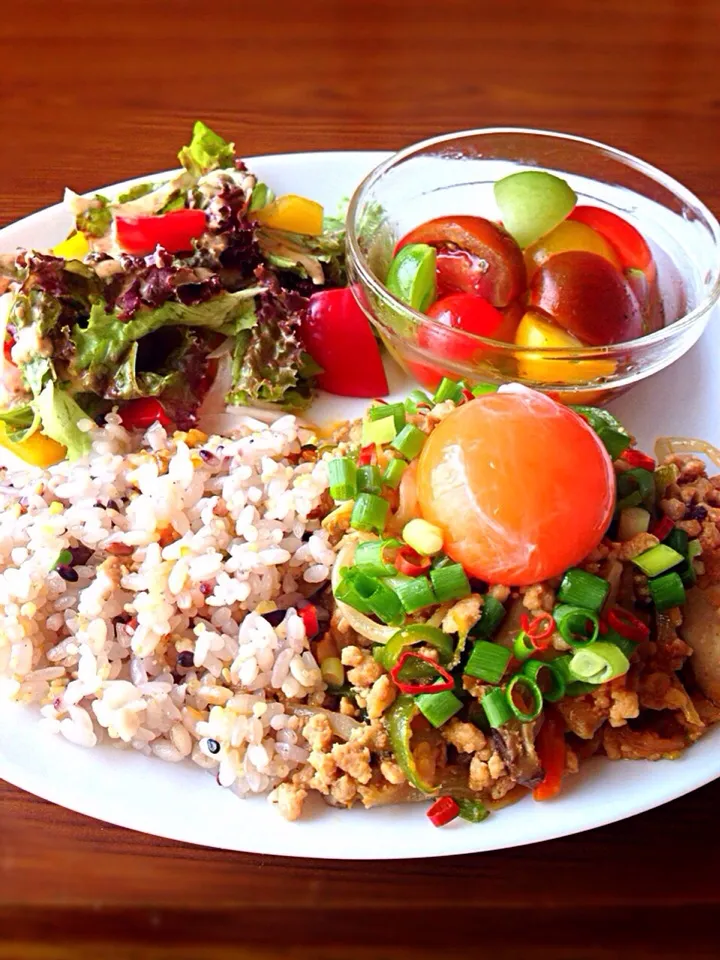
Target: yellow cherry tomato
<point x="74" y="248"/>
<point x="537" y="331"/>
<point x="294" y="214"/>
<point x="38" y="450"/>
<point x="569" y="235"/>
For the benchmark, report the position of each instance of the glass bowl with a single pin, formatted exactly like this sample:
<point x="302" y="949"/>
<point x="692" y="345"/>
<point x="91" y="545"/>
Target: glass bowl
<point x="454" y="174"/>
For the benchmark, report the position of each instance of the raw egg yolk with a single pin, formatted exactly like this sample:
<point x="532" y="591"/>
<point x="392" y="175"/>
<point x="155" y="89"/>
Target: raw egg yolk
<point x="520" y="485"/>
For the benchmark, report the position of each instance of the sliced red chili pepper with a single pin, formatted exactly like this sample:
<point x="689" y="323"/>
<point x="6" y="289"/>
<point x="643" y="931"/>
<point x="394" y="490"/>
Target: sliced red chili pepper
<point x="467" y="395"/>
<point x="602" y="626"/>
<point x="443" y="811"/>
<point x="662" y="527"/>
<point x="636" y="458"/>
<point x="142" y="412"/>
<point x="551" y="751"/>
<point x="7" y="347"/>
<point x="367" y="455"/>
<point x="627" y="624"/>
<point x="539" y="629"/>
<point x="427" y="687"/>
<point x="410" y="562"/>
<point x="308" y="615"/>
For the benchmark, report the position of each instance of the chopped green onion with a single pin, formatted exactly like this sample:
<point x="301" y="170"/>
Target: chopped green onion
<point x="450" y="583"/>
<point x="550" y="681"/>
<point x="425" y="538"/>
<point x="447" y="389"/>
<point x="369" y="513"/>
<point x="637" y="480"/>
<point x="496" y="707"/>
<point x="633" y="520"/>
<point x="492" y="614"/>
<point x="413" y="633"/>
<point x="582" y="589"/>
<point x="487" y="661"/>
<point x="394" y="410"/>
<point x="65" y="558"/>
<point x="678" y="540"/>
<point x="629" y="502"/>
<point x="369" y="479"/>
<point x="333" y="672"/>
<point x="561" y="666"/>
<point x="393" y="473"/>
<point x="474" y="811"/>
<point x="657" y="560"/>
<point x="522" y="683"/>
<point x="611" y="432"/>
<point x="599" y="663"/>
<point x="378" y="431"/>
<point x="694" y="549"/>
<point x="522" y="646"/>
<point x="415" y="398"/>
<point x="385" y="605"/>
<point x="667" y="591"/>
<point x="577" y="625"/>
<point x="438" y="707"/>
<point x="414" y="593"/>
<point x="625" y="644"/>
<point x="687" y="573"/>
<point x="482" y="388"/>
<point x="665" y="474"/>
<point x="370" y="557"/>
<point x="409" y="442"/>
<point x="578" y="688"/>
<point x="342" y="473"/>
<point x="369" y="595"/>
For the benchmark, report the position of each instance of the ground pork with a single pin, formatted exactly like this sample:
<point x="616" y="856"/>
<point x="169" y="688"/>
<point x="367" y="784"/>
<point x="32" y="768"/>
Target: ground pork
<point x="318" y="732"/>
<point x="365" y="669"/>
<point x="381" y="696"/>
<point x="344" y="791"/>
<point x="462" y="615"/>
<point x="392" y="772"/>
<point x="584" y="715"/>
<point x="289" y="798"/>
<point x="353" y="759"/>
<point x="465" y="737"/>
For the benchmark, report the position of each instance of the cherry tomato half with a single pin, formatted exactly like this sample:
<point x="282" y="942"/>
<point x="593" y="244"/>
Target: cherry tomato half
<point x="474" y="256"/>
<point x="458" y="311"/>
<point x="628" y="243"/>
<point x="520" y="485"/>
<point x="586" y="295"/>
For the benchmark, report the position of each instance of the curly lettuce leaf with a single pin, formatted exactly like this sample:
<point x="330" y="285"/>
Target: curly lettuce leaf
<point x="20" y="422"/>
<point x="134" y="193"/>
<point x="176" y="376"/>
<point x="206" y="151"/>
<point x="60" y="415"/>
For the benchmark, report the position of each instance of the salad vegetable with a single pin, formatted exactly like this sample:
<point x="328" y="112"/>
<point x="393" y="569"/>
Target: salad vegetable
<point x="198" y="281"/>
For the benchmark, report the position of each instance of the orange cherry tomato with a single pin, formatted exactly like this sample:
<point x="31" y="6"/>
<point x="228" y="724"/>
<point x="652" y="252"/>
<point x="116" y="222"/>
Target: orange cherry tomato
<point x="628" y="243"/>
<point x="568" y="235"/>
<point x="586" y="295"/>
<point x="474" y="256"/>
<point x="521" y="486"/>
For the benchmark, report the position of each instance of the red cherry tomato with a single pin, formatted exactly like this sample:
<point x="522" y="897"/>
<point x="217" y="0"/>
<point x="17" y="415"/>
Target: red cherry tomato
<point x="175" y="231"/>
<point x="628" y="243"/>
<point x="588" y="296"/>
<point x="520" y="485"/>
<point x="337" y="335"/>
<point x="142" y="412"/>
<point x="428" y="374"/>
<point x="474" y="256"/>
<point x="458" y="311"/>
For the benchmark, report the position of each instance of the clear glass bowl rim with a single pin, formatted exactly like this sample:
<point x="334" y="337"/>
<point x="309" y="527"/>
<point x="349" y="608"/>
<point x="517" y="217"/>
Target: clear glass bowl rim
<point x="681" y="192"/>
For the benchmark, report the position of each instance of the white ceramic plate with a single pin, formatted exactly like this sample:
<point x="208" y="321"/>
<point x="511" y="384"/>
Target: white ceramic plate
<point x="183" y="803"/>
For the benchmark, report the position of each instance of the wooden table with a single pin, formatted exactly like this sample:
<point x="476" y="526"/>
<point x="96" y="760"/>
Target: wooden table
<point x="94" y="93"/>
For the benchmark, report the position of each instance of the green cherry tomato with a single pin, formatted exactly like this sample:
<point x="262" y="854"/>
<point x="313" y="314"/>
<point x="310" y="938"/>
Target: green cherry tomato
<point x="411" y="277"/>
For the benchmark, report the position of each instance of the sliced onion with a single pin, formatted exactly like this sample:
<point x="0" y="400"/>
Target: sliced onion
<point x="214" y="400"/>
<point x="362" y="625"/>
<point x="288" y="250"/>
<point x="665" y="446"/>
<point x="341" y="725"/>
<point x="224" y="348"/>
<point x="613" y="577"/>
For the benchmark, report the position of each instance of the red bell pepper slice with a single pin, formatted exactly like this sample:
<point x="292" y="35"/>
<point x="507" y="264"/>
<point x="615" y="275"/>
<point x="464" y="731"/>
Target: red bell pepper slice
<point x="443" y="811"/>
<point x="174" y="231"/>
<point x="662" y="528"/>
<point x="337" y="335"/>
<point x="142" y="412"/>
<point x="551" y="750"/>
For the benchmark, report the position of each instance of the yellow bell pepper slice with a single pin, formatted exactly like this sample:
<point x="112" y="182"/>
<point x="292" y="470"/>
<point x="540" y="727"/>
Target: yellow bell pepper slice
<point x="37" y="450"/>
<point x="75" y="247"/>
<point x="535" y="331"/>
<point x="294" y="214"/>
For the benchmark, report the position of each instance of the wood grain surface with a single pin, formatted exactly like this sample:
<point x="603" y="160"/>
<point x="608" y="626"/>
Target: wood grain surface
<point x="92" y="93"/>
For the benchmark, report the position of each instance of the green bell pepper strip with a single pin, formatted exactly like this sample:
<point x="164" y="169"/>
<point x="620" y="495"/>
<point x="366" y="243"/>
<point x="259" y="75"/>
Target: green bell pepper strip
<point x="398" y="722"/>
<point x="414" y="633"/>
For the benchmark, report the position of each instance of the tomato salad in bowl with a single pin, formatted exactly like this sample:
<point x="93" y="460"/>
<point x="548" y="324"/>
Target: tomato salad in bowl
<point x="581" y="274"/>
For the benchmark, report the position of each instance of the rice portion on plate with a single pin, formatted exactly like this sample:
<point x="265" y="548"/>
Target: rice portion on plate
<point x="149" y="594"/>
